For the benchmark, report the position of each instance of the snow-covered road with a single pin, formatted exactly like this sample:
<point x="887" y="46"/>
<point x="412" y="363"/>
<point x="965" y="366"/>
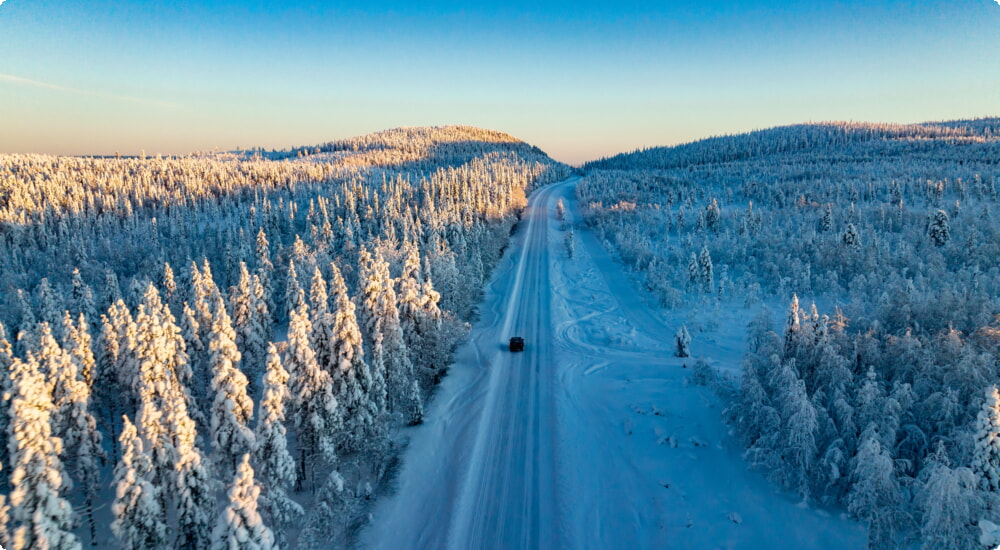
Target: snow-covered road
<point x="590" y="438"/>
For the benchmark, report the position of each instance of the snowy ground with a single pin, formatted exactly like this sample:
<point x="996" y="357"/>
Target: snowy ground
<point x="593" y="437"/>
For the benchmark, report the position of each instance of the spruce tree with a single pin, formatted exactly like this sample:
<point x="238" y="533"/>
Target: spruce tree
<point x="240" y="527"/>
<point x="140" y="521"/>
<point x="986" y="452"/>
<point x="275" y="465"/>
<point x="42" y="517"/>
<point x="938" y="228"/>
<point x="231" y="408"/>
<point x="315" y="409"/>
<point x="352" y="377"/>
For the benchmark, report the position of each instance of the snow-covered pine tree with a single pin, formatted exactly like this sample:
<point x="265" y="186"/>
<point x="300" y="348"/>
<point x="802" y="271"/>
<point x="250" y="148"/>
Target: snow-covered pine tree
<point x="259" y="334"/>
<point x="951" y="505"/>
<point x="232" y="408"/>
<point x="352" y="378"/>
<point x="201" y="374"/>
<point x="79" y="345"/>
<point x="706" y="274"/>
<point x="826" y="220"/>
<point x="169" y="285"/>
<point x="265" y="271"/>
<point x="326" y="518"/>
<point x="275" y="465"/>
<point x="4" y="518"/>
<point x="850" y="238"/>
<point x="801" y="427"/>
<point x="249" y="341"/>
<point x="165" y="423"/>
<point x="938" y="228"/>
<point x="683" y="342"/>
<point x="42" y="517"/>
<point x="73" y="422"/>
<point x="370" y="323"/>
<point x="27" y="333"/>
<point x="240" y="527"/>
<point x="399" y="375"/>
<point x="986" y="452"/>
<point x="694" y="273"/>
<point x="875" y="491"/>
<point x="294" y="295"/>
<point x="50" y="307"/>
<point x="436" y="338"/>
<point x="83" y="297"/>
<point x="314" y="408"/>
<point x="322" y="322"/>
<point x="792" y="327"/>
<point x="6" y="389"/>
<point x="713" y="216"/>
<point x="140" y="521"/>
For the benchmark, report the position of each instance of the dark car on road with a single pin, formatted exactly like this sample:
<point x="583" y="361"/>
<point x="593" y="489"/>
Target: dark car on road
<point x="517" y="344"/>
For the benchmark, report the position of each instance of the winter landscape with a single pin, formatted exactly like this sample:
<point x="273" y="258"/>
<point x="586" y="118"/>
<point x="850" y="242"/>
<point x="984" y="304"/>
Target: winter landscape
<point x="766" y="333"/>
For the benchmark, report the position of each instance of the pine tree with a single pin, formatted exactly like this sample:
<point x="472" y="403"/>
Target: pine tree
<point x="83" y="297"/>
<point x="294" y="295"/>
<point x="140" y="521"/>
<point x="381" y="316"/>
<point x="265" y="272"/>
<point x="79" y="345"/>
<point x="240" y="527"/>
<point x="259" y="334"/>
<point x="986" y="452"/>
<point x="370" y="324"/>
<point x="275" y="465"/>
<point x="826" y="221"/>
<point x="850" y="238"/>
<point x="322" y="322"/>
<point x="27" y="335"/>
<point x="50" y="307"/>
<point x="875" y="492"/>
<point x="315" y="409"/>
<point x="352" y="377"/>
<point x="6" y="393"/>
<point x="683" y="341"/>
<point x="938" y="228"/>
<point x="706" y="274"/>
<point x="713" y="216"/>
<point x="73" y="422"/>
<point x="164" y="420"/>
<point x="232" y="407"/>
<point x="43" y="518"/>
<point x="249" y="341"/>
<point x="169" y="284"/>
<point x="801" y="425"/>
<point x="4" y="519"/>
<point x="951" y="506"/>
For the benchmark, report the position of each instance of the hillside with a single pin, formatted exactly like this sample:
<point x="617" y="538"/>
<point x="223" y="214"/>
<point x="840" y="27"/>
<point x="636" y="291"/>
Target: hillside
<point x="880" y="397"/>
<point x="224" y="321"/>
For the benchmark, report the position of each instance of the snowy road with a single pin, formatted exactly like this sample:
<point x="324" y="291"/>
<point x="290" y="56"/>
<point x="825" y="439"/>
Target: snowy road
<point x="590" y="438"/>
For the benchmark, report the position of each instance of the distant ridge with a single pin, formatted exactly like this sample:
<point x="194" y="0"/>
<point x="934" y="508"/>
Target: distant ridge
<point x="822" y="137"/>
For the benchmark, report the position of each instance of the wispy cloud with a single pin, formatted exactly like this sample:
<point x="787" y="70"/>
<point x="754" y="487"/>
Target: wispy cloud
<point x="17" y="80"/>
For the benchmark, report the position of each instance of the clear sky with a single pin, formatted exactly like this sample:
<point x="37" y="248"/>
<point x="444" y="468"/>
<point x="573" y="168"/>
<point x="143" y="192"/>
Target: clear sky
<point x="579" y="79"/>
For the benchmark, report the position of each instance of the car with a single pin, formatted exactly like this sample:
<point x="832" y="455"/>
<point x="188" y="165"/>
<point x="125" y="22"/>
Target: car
<point x="517" y="344"/>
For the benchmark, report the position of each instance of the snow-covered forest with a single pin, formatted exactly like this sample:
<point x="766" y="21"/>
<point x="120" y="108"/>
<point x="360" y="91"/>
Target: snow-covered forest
<point x="223" y="347"/>
<point x="863" y="259"/>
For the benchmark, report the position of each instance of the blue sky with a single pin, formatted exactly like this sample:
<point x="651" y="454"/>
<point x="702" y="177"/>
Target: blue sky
<point x="579" y="79"/>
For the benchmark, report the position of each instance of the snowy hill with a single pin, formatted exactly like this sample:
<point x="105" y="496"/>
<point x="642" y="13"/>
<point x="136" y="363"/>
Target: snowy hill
<point x="880" y="397"/>
<point x="971" y="137"/>
<point x="189" y="325"/>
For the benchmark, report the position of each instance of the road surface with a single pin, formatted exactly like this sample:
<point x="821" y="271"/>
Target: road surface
<point x="591" y="437"/>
